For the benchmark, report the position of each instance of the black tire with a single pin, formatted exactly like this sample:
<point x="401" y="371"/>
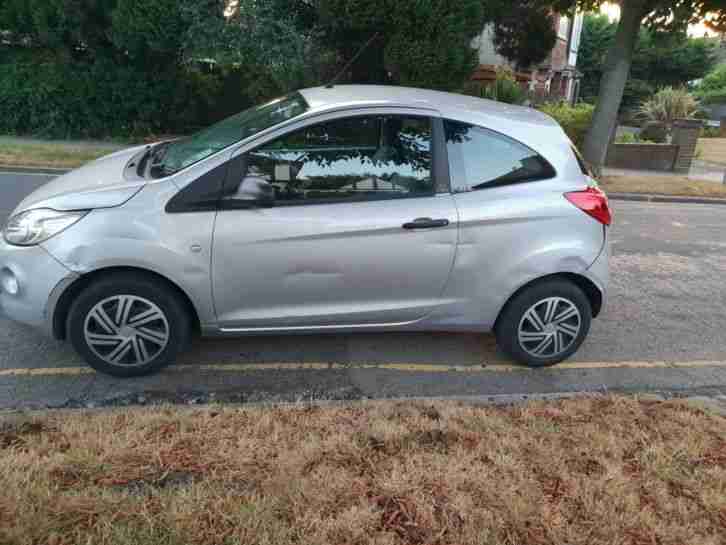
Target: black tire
<point x="507" y="327"/>
<point x="177" y="327"/>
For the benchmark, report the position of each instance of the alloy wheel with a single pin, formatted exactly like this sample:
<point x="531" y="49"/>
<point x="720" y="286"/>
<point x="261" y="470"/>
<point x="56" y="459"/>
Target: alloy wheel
<point x="126" y="330"/>
<point x="549" y="327"/>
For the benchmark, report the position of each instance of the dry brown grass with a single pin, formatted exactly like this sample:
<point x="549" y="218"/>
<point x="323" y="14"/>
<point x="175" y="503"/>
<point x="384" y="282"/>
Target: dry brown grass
<point x="663" y="185"/>
<point x="712" y="150"/>
<point x="54" y="155"/>
<point x="590" y="471"/>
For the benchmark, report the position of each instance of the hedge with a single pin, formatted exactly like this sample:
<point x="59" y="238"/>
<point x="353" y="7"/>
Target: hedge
<point x="101" y="99"/>
<point x="575" y="120"/>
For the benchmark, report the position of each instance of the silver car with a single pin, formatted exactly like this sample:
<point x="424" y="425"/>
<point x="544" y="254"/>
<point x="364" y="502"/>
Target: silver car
<point x="334" y="209"/>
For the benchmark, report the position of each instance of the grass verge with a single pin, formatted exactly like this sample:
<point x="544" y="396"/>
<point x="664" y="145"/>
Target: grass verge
<point x="600" y="470"/>
<point x="712" y="150"/>
<point x="49" y="155"/>
<point x="663" y="185"/>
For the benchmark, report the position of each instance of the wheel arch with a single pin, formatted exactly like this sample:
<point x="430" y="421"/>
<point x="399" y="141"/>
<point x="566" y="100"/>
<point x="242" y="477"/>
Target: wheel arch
<point x="590" y="289"/>
<point x="63" y="305"/>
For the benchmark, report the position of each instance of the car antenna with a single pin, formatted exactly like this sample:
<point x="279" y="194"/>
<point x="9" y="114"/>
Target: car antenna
<point x="333" y="81"/>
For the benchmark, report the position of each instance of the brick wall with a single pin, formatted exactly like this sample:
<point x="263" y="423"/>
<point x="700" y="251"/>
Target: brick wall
<point x="685" y="136"/>
<point x="642" y="156"/>
<point x="558" y="57"/>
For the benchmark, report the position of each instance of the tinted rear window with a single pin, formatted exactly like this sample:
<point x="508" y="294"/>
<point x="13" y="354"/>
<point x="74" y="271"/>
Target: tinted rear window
<point x="480" y="158"/>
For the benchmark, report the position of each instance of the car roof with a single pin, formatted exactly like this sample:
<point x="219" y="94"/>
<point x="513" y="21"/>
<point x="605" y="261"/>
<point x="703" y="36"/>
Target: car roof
<point x="531" y="127"/>
<point x="338" y="96"/>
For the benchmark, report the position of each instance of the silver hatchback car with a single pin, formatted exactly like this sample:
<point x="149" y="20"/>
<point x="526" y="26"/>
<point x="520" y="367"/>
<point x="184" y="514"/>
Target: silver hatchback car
<point x="334" y="209"/>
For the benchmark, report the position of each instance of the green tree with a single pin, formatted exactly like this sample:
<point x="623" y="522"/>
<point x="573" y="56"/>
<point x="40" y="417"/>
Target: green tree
<point x="424" y="43"/>
<point x="136" y="31"/>
<point x="669" y="15"/>
<point x="712" y="90"/>
<point x="269" y="42"/>
<point x="524" y="31"/>
<point x="71" y="29"/>
<point x="598" y="34"/>
<point x="101" y="67"/>
<point x="659" y="60"/>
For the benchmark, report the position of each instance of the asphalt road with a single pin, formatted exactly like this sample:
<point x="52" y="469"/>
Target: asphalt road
<point x="662" y="330"/>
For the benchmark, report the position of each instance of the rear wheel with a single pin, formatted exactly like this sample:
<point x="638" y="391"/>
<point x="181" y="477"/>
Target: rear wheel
<point x="128" y="325"/>
<point x="545" y="324"/>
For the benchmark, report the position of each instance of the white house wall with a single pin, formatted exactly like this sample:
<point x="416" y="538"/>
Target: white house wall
<point x="485" y="45"/>
<point x="576" y="36"/>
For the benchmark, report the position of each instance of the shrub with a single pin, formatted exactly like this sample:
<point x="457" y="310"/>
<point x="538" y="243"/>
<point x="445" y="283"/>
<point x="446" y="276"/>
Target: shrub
<point x="120" y="68"/>
<point x="711" y="132"/>
<point x="655" y="131"/>
<point x="575" y="120"/>
<point x="712" y="90"/>
<point x="631" y="138"/>
<point x="504" y="88"/>
<point x="715" y="96"/>
<point x="99" y="99"/>
<point x="669" y="104"/>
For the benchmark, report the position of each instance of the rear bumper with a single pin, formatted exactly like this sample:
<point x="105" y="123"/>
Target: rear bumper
<point x="599" y="271"/>
<point x="35" y="274"/>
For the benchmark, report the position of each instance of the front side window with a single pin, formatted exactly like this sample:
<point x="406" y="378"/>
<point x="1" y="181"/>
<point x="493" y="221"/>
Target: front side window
<point x="171" y="157"/>
<point x="480" y="158"/>
<point x="350" y="159"/>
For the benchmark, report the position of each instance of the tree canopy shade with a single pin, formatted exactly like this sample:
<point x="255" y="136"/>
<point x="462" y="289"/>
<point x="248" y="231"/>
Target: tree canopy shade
<point x="99" y="67"/>
<point x="134" y="67"/>
<point x="424" y="43"/>
<point x="524" y="31"/>
<point x="660" y="59"/>
<point x="668" y="15"/>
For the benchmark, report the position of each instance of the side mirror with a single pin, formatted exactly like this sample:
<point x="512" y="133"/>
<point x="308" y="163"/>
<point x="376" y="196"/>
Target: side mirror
<point x="255" y="191"/>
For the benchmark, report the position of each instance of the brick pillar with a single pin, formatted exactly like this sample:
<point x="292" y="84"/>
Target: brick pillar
<point x="685" y="136"/>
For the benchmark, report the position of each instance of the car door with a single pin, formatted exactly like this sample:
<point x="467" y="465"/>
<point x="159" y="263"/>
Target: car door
<point x="357" y="226"/>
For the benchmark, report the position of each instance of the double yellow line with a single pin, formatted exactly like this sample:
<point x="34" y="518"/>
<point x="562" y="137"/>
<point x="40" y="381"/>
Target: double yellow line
<point x="403" y="367"/>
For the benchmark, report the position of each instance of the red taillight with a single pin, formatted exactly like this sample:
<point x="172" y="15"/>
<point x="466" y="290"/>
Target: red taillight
<point x="593" y="202"/>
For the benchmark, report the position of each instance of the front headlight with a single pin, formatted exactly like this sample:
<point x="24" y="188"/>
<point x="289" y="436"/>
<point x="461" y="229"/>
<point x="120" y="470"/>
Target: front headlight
<point x="35" y="226"/>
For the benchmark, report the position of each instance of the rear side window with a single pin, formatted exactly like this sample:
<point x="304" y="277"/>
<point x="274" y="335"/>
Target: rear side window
<point x="480" y="159"/>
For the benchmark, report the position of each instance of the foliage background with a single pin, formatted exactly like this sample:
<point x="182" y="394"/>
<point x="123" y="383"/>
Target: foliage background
<point x="134" y="68"/>
<point x="575" y="120"/>
<point x="712" y="90"/>
<point x="660" y="60"/>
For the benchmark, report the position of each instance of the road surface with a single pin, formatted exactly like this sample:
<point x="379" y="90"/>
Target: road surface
<point x="663" y="329"/>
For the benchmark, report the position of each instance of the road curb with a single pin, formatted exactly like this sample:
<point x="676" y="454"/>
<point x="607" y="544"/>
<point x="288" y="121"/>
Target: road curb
<point x="20" y="169"/>
<point x="708" y="399"/>
<point x="640" y="197"/>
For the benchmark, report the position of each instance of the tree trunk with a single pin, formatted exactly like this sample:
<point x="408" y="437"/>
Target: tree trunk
<point x="615" y="76"/>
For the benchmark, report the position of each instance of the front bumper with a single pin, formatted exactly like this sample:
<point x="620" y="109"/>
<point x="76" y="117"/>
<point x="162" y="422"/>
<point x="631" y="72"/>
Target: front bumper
<point x="36" y="273"/>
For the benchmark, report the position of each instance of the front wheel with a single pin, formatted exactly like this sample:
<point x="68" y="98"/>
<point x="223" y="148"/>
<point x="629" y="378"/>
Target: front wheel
<point x="128" y="325"/>
<point x="544" y="324"/>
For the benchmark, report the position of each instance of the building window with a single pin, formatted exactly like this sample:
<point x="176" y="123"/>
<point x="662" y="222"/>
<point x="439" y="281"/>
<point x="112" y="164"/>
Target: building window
<point x="564" y="28"/>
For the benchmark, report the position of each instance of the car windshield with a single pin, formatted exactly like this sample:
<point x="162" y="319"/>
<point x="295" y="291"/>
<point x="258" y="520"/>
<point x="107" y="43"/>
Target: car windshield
<point x="171" y="157"/>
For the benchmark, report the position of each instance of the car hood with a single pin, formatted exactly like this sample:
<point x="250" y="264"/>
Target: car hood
<point x="98" y="184"/>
